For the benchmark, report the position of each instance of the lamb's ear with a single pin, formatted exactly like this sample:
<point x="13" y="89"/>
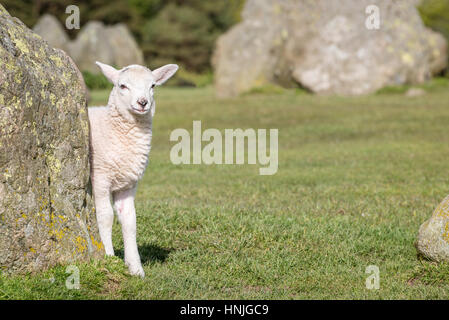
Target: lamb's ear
<point x="109" y="72"/>
<point x="164" y="73"/>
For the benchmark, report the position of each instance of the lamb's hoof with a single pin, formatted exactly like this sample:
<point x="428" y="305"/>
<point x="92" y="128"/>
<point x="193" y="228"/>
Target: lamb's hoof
<point x="136" y="271"/>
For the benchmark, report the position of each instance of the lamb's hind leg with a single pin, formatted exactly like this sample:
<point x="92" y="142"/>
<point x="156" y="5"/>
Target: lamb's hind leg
<point x="126" y="212"/>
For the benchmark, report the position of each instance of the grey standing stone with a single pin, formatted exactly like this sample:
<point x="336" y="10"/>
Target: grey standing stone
<point x="112" y="45"/>
<point x="325" y="46"/>
<point x="49" y="28"/>
<point x="46" y="209"/>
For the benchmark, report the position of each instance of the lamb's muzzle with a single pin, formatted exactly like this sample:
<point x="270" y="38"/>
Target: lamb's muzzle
<point x="120" y="142"/>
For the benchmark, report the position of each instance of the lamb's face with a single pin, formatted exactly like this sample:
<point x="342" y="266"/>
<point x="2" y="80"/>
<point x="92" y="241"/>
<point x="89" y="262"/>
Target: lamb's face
<point x="134" y="86"/>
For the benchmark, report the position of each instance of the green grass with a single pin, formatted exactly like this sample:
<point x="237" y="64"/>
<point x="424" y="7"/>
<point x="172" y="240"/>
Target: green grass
<point x="357" y="176"/>
<point x="434" y="85"/>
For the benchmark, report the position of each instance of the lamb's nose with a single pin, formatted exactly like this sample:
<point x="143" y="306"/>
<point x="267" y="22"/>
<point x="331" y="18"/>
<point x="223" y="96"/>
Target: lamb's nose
<point x="142" y="101"/>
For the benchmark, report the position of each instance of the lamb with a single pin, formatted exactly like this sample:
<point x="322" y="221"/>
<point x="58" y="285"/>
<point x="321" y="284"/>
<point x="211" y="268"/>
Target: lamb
<point x="120" y="142"/>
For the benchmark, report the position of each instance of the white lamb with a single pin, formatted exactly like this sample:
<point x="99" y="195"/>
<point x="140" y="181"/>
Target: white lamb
<point x="120" y="141"/>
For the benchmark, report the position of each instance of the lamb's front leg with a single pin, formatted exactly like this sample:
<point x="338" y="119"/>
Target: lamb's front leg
<point x="105" y="217"/>
<point x="126" y="212"/>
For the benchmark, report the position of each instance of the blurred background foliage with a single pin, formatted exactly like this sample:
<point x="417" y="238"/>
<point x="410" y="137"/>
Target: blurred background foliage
<point x="184" y="31"/>
<point x="435" y="15"/>
<point x="167" y="30"/>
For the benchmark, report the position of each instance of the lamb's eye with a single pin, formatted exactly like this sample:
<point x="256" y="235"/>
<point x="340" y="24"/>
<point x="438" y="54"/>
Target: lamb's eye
<point x="122" y="86"/>
<point x="153" y="85"/>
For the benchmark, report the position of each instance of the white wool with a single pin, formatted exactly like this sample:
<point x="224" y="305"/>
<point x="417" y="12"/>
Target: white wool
<point x="119" y="147"/>
<point x="120" y="142"/>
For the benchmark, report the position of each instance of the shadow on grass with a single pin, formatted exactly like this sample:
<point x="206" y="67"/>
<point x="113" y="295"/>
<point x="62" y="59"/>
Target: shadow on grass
<point x="149" y="253"/>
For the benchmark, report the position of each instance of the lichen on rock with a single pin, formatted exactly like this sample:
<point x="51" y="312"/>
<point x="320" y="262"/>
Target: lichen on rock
<point x="433" y="235"/>
<point x="46" y="209"/>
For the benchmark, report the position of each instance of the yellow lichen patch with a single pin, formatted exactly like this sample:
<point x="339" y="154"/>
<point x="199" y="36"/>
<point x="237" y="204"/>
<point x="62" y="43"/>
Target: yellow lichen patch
<point x="10" y="66"/>
<point x="284" y="34"/>
<point x="97" y="244"/>
<point x="52" y="99"/>
<point x="20" y="44"/>
<point x="16" y="103"/>
<point x="17" y="77"/>
<point x="407" y="59"/>
<point x="67" y="77"/>
<point x="53" y="163"/>
<point x="7" y="175"/>
<point x="445" y="234"/>
<point x="52" y="225"/>
<point x="81" y="244"/>
<point x="277" y="9"/>
<point x="44" y="82"/>
<point x="28" y="99"/>
<point x="436" y="53"/>
<point x="84" y="125"/>
<point x="59" y="234"/>
<point x="32" y="250"/>
<point x="443" y="209"/>
<point x="57" y="60"/>
<point x="44" y="202"/>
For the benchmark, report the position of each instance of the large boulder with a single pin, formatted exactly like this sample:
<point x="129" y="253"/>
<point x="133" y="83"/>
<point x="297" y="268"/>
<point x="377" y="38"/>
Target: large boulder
<point x="125" y="48"/>
<point x="91" y="44"/>
<point x="49" y="28"/>
<point x="324" y="46"/>
<point x="433" y="235"/>
<point x="46" y="209"/>
<point x="112" y="45"/>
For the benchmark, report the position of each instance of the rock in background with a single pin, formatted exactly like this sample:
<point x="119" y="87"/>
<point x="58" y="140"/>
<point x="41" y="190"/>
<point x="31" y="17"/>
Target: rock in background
<point x="324" y="46"/>
<point x="46" y="209"/>
<point x="433" y="235"/>
<point x="113" y="45"/>
<point x="52" y="30"/>
<point x="91" y="44"/>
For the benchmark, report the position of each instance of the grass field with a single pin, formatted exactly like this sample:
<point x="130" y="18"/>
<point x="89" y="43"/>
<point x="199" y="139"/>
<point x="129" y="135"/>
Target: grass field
<point x="357" y="177"/>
